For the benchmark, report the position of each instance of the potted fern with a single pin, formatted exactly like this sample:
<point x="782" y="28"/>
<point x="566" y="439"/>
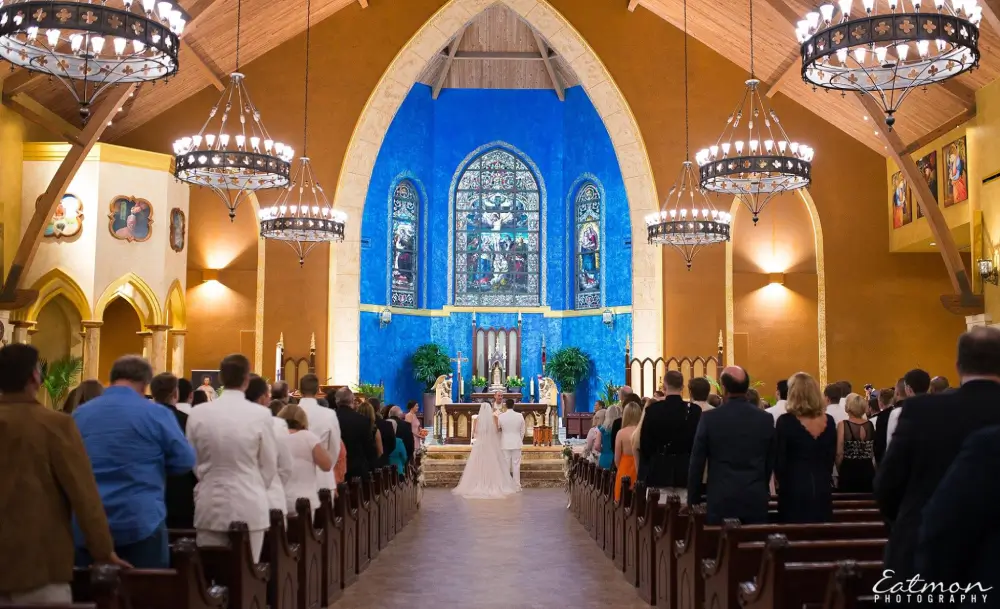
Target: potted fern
<point x="429" y="362"/>
<point x="567" y="367"/>
<point x="369" y="390"/>
<point x="59" y="376"/>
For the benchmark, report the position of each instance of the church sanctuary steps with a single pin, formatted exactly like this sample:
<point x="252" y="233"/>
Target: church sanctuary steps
<point x="673" y="558"/>
<point x="541" y="466"/>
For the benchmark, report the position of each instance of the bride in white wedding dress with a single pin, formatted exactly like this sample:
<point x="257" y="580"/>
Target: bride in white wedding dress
<point x="486" y="475"/>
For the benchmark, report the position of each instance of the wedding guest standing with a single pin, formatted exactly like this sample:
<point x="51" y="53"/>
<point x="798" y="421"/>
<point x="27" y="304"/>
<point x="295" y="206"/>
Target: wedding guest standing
<point x="356" y="432"/>
<point x="133" y="444"/>
<point x="592" y="449"/>
<point x="84" y="392"/>
<point x="413" y="418"/>
<point x="404" y="431"/>
<point x="607" y="458"/>
<point x="165" y="389"/>
<point x="806" y="447"/>
<point x="855" y="448"/>
<point x="308" y="456"/>
<point x="624" y="457"/>
<point x="237" y="460"/>
<point x="257" y="392"/>
<point x="666" y="436"/>
<point x="736" y="441"/>
<point x="325" y="424"/>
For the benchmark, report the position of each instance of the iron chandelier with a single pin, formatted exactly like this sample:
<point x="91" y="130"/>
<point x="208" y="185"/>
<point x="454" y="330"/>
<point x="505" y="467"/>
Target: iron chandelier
<point x="764" y="164"/>
<point x="687" y="220"/>
<point x="237" y="162"/>
<point x="302" y="215"/>
<point x="884" y="51"/>
<point x="89" y="47"/>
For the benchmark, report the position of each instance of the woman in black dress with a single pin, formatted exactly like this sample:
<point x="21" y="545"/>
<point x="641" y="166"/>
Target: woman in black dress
<point x="806" y="440"/>
<point x="855" y="449"/>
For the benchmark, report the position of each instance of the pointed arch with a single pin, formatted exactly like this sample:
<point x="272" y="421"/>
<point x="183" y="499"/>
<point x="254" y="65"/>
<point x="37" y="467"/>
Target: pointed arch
<point x="56" y="283"/>
<point x="377" y="115"/>
<point x="806" y="197"/>
<point x="176" y="306"/>
<point x="132" y="289"/>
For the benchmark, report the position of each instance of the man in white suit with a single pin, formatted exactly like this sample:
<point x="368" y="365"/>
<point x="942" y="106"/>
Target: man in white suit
<point x="237" y="458"/>
<point x="324" y="423"/>
<point x="511" y="440"/>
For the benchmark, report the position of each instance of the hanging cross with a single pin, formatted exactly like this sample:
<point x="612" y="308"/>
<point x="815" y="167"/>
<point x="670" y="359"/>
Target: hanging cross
<point x="459" y="360"/>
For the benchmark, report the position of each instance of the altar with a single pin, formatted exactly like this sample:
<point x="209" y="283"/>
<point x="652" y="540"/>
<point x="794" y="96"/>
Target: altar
<point x="458" y="420"/>
<point x="486" y="396"/>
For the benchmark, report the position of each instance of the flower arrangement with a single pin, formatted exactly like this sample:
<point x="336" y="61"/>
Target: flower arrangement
<point x="567" y="455"/>
<point x="479" y="381"/>
<point x="515" y="382"/>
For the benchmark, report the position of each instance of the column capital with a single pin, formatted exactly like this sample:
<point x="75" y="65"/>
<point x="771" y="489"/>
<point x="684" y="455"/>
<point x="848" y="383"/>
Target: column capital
<point x="92" y="324"/>
<point x="178" y="332"/>
<point x="158" y="327"/>
<point x="20" y="323"/>
<point x="145" y="333"/>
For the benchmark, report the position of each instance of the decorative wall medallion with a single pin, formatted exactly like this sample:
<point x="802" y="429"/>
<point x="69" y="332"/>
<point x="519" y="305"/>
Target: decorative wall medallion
<point x="956" y="186"/>
<point x="67" y="221"/>
<point x="131" y="219"/>
<point x="178" y="226"/>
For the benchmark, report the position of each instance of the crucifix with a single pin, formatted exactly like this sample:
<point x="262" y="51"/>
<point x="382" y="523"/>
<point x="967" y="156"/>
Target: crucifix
<point x="459" y="360"/>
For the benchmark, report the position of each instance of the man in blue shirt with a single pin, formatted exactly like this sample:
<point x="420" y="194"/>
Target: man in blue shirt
<point x="133" y="445"/>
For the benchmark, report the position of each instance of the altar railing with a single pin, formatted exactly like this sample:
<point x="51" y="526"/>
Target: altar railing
<point x="645" y="375"/>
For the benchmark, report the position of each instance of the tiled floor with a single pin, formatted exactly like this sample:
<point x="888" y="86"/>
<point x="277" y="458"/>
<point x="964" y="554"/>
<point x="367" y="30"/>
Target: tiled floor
<point x="524" y="552"/>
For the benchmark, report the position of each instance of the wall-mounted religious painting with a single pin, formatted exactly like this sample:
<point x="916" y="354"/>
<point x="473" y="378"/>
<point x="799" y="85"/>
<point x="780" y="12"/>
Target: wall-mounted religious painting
<point x="67" y="220"/>
<point x="928" y="169"/>
<point x="902" y="206"/>
<point x="956" y="184"/>
<point x="178" y="226"/>
<point x="131" y="219"/>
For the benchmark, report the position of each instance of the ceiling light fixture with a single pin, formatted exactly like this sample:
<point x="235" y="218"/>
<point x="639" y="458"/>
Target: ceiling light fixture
<point x="885" y="52"/>
<point x="233" y="165"/>
<point x="766" y="163"/>
<point x="302" y="215"/>
<point x="687" y="220"/>
<point x="89" y="47"/>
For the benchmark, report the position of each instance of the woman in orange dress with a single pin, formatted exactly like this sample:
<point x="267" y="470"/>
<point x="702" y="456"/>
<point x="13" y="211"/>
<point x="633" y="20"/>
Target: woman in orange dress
<point x="624" y="457"/>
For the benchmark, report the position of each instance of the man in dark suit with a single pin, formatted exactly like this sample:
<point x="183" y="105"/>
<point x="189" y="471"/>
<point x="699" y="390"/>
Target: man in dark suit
<point x="737" y="441"/>
<point x="960" y="537"/>
<point x="666" y="434"/>
<point x="928" y="437"/>
<point x="881" y="420"/>
<point x="403" y="430"/>
<point x="179" y="496"/>
<point x="357" y="435"/>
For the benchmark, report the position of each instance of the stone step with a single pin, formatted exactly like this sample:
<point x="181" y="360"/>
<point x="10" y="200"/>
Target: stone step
<point x="528" y="479"/>
<point x="524" y="484"/>
<point x="454" y="465"/>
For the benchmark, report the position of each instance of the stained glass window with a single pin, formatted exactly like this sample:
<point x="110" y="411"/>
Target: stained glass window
<point x="588" y="247"/>
<point x="405" y="210"/>
<point x="497" y="251"/>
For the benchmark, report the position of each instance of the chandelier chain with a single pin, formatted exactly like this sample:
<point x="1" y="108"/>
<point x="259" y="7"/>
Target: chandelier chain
<point x="239" y="15"/>
<point x="687" y="103"/>
<point x="751" y="41"/>
<point x="305" y="109"/>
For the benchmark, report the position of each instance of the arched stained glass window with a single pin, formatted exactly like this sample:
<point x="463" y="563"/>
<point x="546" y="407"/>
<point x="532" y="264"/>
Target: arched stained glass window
<point x="403" y="255"/>
<point x="497" y="245"/>
<point x="588" y="247"/>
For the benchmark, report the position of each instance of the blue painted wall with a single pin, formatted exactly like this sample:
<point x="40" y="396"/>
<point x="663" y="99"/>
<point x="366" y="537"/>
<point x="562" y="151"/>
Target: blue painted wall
<point x="427" y="142"/>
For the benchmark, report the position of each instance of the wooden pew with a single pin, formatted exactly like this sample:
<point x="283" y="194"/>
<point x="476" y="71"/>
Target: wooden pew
<point x="658" y="586"/>
<point x="601" y="498"/>
<point x="361" y="507"/>
<point x="182" y="587"/>
<point x="399" y="492"/>
<point x="102" y="586"/>
<point x="645" y="552"/>
<point x="235" y="568"/>
<point x="381" y="490"/>
<point x="587" y="498"/>
<point x="780" y="584"/>
<point x="374" y="507"/>
<point x="608" y="537"/>
<point x="310" y="540"/>
<point x="331" y="587"/>
<point x="631" y="544"/>
<point x="284" y="557"/>
<point x="850" y="587"/>
<point x="344" y="509"/>
<point x="389" y="485"/>
<point x="740" y="551"/>
<point x="621" y="508"/>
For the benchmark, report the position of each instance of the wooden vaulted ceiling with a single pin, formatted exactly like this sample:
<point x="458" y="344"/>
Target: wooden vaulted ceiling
<point x="498" y="50"/>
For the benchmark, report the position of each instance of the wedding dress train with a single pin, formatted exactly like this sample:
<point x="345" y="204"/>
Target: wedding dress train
<point x="485" y="475"/>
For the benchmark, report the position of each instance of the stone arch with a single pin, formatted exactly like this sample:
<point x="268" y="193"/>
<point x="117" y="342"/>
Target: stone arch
<point x="175" y="307"/>
<point x="56" y="283"/>
<point x="377" y="115"/>
<point x="132" y="289"/>
<point x="806" y="197"/>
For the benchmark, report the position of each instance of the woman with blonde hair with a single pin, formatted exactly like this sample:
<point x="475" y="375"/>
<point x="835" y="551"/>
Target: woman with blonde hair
<point x="607" y="459"/>
<point x="806" y="446"/>
<point x="368" y="410"/>
<point x="592" y="450"/>
<point x="307" y="454"/>
<point x="855" y="448"/>
<point x="624" y="455"/>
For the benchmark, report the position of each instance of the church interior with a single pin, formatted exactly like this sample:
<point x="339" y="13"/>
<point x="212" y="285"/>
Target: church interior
<point x="457" y="197"/>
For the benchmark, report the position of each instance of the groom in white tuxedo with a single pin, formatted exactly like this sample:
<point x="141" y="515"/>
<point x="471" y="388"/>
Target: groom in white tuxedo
<point x="511" y="440"/>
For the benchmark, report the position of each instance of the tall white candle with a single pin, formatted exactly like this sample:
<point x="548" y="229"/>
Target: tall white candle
<point x="461" y="389"/>
<point x="531" y="387"/>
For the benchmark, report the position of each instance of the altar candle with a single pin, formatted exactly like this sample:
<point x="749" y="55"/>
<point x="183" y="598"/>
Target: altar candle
<point x="461" y="389"/>
<point x="531" y="387"/>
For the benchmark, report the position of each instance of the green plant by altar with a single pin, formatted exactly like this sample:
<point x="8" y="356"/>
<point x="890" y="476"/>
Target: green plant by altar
<point x="369" y="390"/>
<point x="567" y="367"/>
<point x="514" y="382"/>
<point x="430" y="361"/>
<point x="59" y="375"/>
<point x="479" y="381"/>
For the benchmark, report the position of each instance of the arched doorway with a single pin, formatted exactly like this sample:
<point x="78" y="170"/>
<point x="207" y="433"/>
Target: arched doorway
<point x="57" y="334"/>
<point x="119" y="335"/>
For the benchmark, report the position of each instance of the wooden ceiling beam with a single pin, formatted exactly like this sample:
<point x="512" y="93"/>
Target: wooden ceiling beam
<point x="543" y="51"/>
<point x="790" y="68"/>
<point x="20" y="80"/>
<point x="632" y="5"/>
<point x="12" y="297"/>
<point x="501" y="55"/>
<point x="31" y="109"/>
<point x="363" y="3"/>
<point x="957" y="273"/>
<point x="452" y="52"/>
<point x="955" y="121"/>
<point x="206" y="69"/>
<point x="960" y="91"/>
<point x="991" y="13"/>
